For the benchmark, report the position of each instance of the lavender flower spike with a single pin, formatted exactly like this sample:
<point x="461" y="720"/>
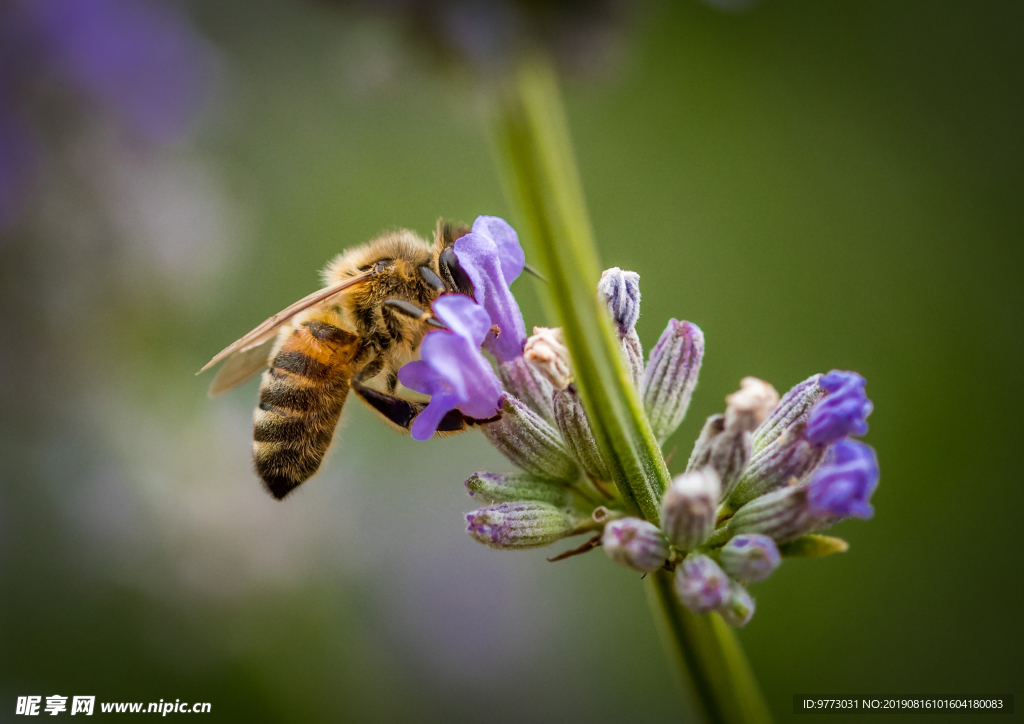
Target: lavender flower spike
<point x="843" y="411"/>
<point x="636" y="544"/>
<point x="750" y="558"/>
<point x="843" y="484"/>
<point x="671" y="376"/>
<point x="701" y="585"/>
<point x="452" y="370"/>
<point x="524" y="524"/>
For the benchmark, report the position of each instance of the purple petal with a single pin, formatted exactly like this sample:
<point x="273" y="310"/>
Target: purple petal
<point x="510" y="253"/>
<point x="480" y="257"/>
<point x="420" y="377"/>
<point x="463" y="316"/>
<point x="459" y="362"/>
<point x="843" y="484"/>
<point x="429" y="418"/>
<point x="843" y="411"/>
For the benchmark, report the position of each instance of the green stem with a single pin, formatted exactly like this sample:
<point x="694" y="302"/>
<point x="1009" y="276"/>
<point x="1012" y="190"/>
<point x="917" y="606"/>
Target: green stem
<point x="533" y="137"/>
<point x="708" y="657"/>
<point x="540" y="176"/>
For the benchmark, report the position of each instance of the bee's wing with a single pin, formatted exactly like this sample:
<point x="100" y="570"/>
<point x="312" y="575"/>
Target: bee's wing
<point x="240" y="367"/>
<point x="266" y="331"/>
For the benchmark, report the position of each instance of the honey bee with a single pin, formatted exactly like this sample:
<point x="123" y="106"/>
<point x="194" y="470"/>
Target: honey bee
<point x="355" y="333"/>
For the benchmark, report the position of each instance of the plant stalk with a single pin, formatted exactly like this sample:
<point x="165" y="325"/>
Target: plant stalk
<point x="539" y="173"/>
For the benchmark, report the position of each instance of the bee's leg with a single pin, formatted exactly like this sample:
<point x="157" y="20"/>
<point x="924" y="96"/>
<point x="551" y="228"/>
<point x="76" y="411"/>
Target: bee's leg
<point x="433" y="279"/>
<point x="409" y="309"/>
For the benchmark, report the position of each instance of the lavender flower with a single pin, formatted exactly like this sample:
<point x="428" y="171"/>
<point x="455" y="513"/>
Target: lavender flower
<point x="739" y="608"/>
<point x="671" y="376"/>
<point x="842" y="486"/>
<point x="636" y="544"/>
<point x="490" y="254"/>
<point x="750" y="558"/>
<point x="524" y="524"/>
<point x="794" y="408"/>
<point x="688" y="508"/>
<point x="843" y="411"/>
<point x="451" y="369"/>
<point x="492" y="488"/>
<point x="701" y="585"/>
<point x="621" y="292"/>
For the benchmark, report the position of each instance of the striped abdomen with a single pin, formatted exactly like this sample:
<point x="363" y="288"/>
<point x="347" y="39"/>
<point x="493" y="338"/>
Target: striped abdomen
<point x="301" y="397"/>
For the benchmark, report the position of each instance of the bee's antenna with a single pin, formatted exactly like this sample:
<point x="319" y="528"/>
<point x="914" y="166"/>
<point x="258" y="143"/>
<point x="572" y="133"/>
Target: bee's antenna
<point x="532" y="270"/>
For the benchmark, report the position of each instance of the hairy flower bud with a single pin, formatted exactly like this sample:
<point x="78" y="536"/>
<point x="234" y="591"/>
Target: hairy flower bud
<point x="636" y="544"/>
<point x="671" y="376"/>
<point x="523" y="524"/>
<point x="842" y="412"/>
<point x="739" y="608"/>
<point x="688" y="508"/>
<point x="701" y="585"/>
<point x="748" y="407"/>
<point x="795" y="407"/>
<point x="782" y="515"/>
<point x="491" y="488"/>
<point x="530" y="443"/>
<point x="527" y="383"/>
<point x="750" y="557"/>
<point x="620" y="290"/>
<point x="776" y="465"/>
<point x="546" y="351"/>
<point x="577" y="434"/>
<point x="725" y="443"/>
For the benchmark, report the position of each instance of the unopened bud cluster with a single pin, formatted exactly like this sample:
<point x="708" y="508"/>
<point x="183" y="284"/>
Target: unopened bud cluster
<point x="763" y="477"/>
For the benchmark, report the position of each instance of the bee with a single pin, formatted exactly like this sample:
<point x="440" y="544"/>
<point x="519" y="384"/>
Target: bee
<point x="354" y="334"/>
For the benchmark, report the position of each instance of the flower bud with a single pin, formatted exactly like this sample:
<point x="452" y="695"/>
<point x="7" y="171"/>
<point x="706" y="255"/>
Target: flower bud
<point x="636" y="544"/>
<point x="725" y="443"/>
<point x="490" y="488"/>
<point x="843" y="484"/>
<point x="782" y="515"/>
<point x="794" y="408"/>
<point x="688" y="508"/>
<point x="776" y="466"/>
<point x="530" y="443"/>
<point x="547" y="352"/>
<point x="671" y="376"/>
<point x="527" y="383"/>
<point x="620" y="290"/>
<point x="577" y="434"/>
<point x="523" y="524"/>
<point x="748" y="407"/>
<point x="739" y="608"/>
<point x="750" y="557"/>
<point x="701" y="585"/>
<point x="842" y="412"/>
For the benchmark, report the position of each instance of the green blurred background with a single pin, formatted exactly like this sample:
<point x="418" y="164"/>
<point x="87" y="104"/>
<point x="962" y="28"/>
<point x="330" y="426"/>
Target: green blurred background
<point x="815" y="184"/>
